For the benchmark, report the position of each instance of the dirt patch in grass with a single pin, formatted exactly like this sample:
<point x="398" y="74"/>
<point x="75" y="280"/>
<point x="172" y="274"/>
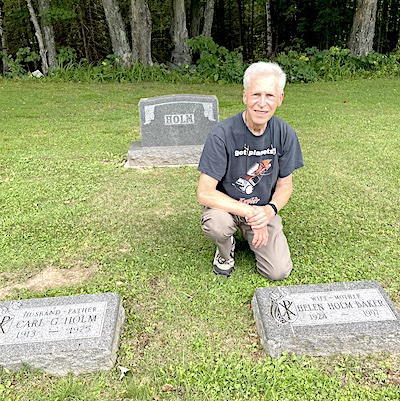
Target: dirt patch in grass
<point x="51" y="277"/>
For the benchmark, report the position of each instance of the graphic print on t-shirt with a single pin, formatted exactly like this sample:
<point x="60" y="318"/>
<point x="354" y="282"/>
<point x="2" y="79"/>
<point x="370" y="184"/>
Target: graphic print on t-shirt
<point x="253" y="176"/>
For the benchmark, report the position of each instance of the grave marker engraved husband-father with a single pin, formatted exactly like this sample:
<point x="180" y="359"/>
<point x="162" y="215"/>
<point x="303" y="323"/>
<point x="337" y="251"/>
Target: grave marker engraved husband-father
<point x="173" y="130"/>
<point x="326" y="319"/>
<point x="59" y="335"/>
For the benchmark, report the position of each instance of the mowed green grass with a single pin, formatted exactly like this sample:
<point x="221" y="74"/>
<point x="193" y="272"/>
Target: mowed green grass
<point x="66" y="200"/>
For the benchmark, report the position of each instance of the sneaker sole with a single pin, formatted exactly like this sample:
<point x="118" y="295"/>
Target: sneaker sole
<point x="224" y="273"/>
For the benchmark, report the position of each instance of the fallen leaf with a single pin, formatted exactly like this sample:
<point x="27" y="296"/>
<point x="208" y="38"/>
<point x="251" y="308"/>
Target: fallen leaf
<point x="169" y="387"/>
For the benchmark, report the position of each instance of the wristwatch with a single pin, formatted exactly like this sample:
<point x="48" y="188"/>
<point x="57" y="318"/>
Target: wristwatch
<point x="273" y="207"/>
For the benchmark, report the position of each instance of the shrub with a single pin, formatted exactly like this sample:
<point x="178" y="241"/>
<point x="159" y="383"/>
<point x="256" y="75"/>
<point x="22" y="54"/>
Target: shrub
<point x="214" y="63"/>
<point x="18" y="66"/>
<point x="65" y="55"/>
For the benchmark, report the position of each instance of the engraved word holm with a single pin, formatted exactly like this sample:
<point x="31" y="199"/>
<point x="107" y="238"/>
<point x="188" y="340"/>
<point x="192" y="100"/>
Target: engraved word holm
<point x="51" y="323"/>
<point x="179" y="118"/>
<point x="334" y="307"/>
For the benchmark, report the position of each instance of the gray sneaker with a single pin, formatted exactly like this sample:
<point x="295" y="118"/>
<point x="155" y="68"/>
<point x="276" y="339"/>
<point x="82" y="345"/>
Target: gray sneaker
<point x="224" y="267"/>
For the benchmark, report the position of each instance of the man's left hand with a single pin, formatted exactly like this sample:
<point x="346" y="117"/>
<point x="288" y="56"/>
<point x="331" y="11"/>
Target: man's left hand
<point x="258" y="221"/>
<point x="260" y="237"/>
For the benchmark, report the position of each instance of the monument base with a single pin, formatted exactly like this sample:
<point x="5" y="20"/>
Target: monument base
<point x="139" y="156"/>
<point x="326" y="319"/>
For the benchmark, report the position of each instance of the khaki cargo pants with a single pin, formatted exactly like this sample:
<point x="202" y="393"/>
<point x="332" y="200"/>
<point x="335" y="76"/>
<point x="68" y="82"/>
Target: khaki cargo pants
<point x="272" y="260"/>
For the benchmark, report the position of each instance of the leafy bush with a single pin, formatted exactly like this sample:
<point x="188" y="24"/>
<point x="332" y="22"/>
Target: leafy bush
<point x="213" y="63"/>
<point x="111" y="70"/>
<point x="65" y="55"/>
<point x="297" y="67"/>
<point x="336" y="64"/>
<point x="17" y="67"/>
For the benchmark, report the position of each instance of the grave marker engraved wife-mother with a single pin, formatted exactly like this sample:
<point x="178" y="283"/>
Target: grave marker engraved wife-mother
<point x="325" y="319"/>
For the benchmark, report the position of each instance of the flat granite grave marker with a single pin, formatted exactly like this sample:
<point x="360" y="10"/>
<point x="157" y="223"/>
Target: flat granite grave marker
<point x="59" y="335"/>
<point x="326" y="319"/>
<point x="173" y="130"/>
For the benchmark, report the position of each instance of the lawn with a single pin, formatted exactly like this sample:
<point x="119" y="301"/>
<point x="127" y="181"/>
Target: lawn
<point x="68" y="203"/>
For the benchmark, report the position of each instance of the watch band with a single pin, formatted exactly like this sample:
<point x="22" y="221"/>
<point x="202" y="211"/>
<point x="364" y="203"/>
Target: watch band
<point x="273" y="207"/>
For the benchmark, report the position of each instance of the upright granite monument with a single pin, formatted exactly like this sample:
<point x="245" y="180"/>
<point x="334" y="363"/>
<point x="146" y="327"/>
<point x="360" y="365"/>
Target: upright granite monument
<point x="326" y="319"/>
<point x="59" y="335"/>
<point x="173" y="129"/>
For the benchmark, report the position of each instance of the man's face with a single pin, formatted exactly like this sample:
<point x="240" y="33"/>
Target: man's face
<point x="262" y="99"/>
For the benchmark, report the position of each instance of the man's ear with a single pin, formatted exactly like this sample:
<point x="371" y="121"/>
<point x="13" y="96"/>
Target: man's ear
<point x="244" y="97"/>
<point x="282" y="95"/>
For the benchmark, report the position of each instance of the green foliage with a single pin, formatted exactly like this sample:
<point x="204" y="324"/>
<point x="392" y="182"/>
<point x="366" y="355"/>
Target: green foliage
<point x="337" y="64"/>
<point x="17" y="67"/>
<point x="66" y="55"/>
<point x="6" y="385"/>
<point x="295" y="26"/>
<point x="215" y="63"/>
<point x="58" y="14"/>
<point x="110" y="70"/>
<point x="296" y="67"/>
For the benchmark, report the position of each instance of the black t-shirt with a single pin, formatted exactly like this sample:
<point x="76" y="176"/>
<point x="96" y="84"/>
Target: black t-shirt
<point x="248" y="166"/>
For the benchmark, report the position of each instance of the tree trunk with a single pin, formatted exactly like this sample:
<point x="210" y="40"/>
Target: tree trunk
<point x="3" y="41"/>
<point x="116" y="27"/>
<point x="141" y="32"/>
<point x="251" y="32"/>
<point x="82" y="34"/>
<point x="181" y="53"/>
<point x="363" y="29"/>
<point x="208" y="17"/>
<point x="196" y="11"/>
<point x="44" y="7"/>
<point x="242" y="28"/>
<point x="268" y="28"/>
<point x="38" y="34"/>
<point x="92" y="16"/>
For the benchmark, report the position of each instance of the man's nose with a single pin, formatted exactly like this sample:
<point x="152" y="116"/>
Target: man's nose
<point x="262" y="101"/>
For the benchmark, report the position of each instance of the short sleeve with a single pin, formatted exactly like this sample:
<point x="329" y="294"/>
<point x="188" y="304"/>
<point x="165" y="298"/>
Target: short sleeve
<point x="213" y="160"/>
<point x="291" y="157"/>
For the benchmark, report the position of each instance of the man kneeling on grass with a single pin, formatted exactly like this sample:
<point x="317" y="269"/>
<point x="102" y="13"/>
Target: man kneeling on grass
<point x="246" y="176"/>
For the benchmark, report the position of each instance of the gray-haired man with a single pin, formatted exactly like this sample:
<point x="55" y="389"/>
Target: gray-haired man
<point x="246" y="176"/>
